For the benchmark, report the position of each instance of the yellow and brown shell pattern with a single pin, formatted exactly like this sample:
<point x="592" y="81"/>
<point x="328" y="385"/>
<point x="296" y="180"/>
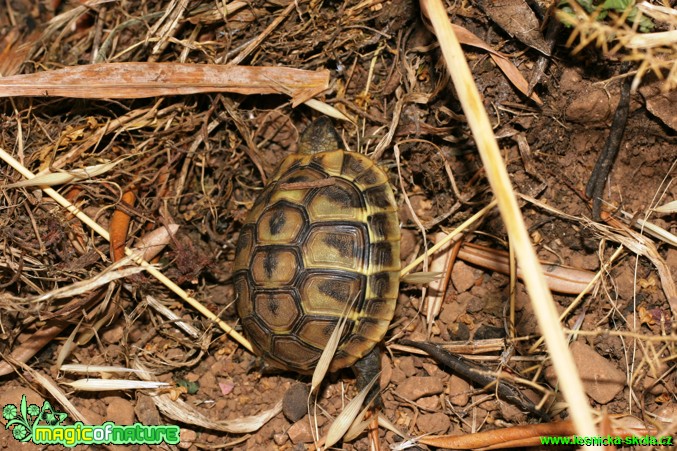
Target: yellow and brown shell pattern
<point x="321" y="241"/>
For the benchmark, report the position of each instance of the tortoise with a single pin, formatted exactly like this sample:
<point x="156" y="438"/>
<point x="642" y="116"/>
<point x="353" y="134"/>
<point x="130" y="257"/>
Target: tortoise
<point x="322" y="241"/>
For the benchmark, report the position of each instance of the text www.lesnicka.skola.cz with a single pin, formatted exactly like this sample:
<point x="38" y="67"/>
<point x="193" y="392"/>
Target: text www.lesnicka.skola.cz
<point x="646" y="440"/>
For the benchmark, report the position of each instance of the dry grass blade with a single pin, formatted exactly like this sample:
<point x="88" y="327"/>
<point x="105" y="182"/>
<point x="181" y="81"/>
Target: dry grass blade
<point x="346" y="418"/>
<point x="330" y="349"/>
<point x="406" y="270"/>
<point x="641" y="245"/>
<point x="659" y="12"/>
<point x="113" y="273"/>
<point x="64" y="177"/>
<point x="172" y="317"/>
<point x="650" y="40"/>
<point x="670" y="207"/>
<point x="68" y="345"/>
<point x="323" y="364"/>
<point x="255" y="43"/>
<point x="141" y="80"/>
<point x="327" y="110"/>
<point x="442" y="263"/>
<point x="136" y="118"/>
<point x="185" y="413"/>
<point x="358" y="426"/>
<point x="652" y="229"/>
<point x="114" y="384"/>
<point x="327" y="355"/>
<point x="88" y="369"/>
<point x="386" y="424"/>
<point x="638" y="223"/>
<point x="421" y="277"/>
<point x="540" y="296"/>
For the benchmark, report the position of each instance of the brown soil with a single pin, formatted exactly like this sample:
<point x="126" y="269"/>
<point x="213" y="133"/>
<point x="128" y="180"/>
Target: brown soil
<point x="205" y="180"/>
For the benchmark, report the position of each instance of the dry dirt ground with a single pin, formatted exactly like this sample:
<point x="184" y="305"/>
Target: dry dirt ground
<point x="200" y="161"/>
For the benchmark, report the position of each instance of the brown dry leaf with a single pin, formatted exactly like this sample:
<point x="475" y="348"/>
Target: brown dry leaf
<point x="153" y="242"/>
<point x="528" y="435"/>
<point x="507" y="437"/>
<point x="119" y="227"/>
<point x="645" y="316"/>
<point x="663" y="398"/>
<point x="562" y="279"/>
<point x="515" y="76"/>
<point x="15" y="48"/>
<point x="139" y="80"/>
<point x="31" y="346"/>
<point x="508" y="68"/>
<point x="518" y="20"/>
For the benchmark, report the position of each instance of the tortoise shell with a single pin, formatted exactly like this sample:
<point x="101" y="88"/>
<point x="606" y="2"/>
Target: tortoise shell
<point x="321" y="241"/>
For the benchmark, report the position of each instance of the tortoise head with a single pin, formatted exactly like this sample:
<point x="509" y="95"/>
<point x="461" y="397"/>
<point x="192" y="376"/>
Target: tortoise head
<point x="319" y="136"/>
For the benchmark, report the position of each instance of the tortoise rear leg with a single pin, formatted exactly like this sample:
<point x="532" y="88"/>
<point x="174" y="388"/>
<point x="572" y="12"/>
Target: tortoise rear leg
<point x="366" y="369"/>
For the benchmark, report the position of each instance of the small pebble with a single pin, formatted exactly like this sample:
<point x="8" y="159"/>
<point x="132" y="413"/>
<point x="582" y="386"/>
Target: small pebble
<point x="414" y="388"/>
<point x="188" y="437"/>
<point x="429" y="402"/>
<point x="295" y="402"/>
<point x="602" y="380"/>
<point x="280" y="438"/>
<point x="458" y="390"/>
<point x="463" y="277"/>
<point x="434" y="423"/>
<point x="114" y="334"/>
<point x="146" y="410"/>
<point x="120" y="411"/>
<point x="406" y="364"/>
<point x="299" y="432"/>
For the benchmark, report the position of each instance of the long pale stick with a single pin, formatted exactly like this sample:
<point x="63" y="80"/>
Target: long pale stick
<point x="541" y="298"/>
